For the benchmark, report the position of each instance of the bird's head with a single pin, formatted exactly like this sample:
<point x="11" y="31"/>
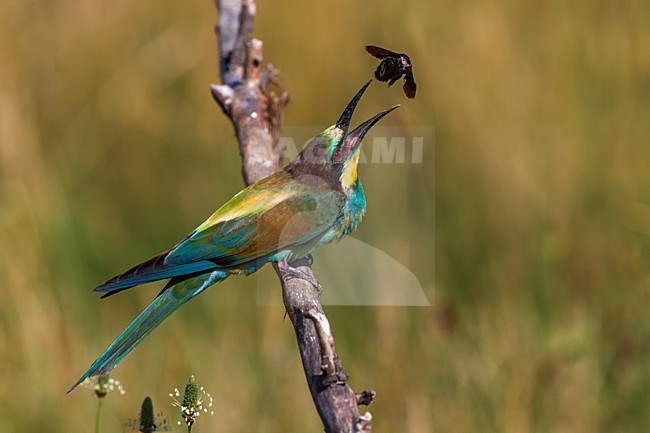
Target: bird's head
<point x="333" y="155"/>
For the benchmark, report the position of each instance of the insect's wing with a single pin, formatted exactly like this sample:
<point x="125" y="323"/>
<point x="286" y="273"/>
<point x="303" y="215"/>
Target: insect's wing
<point x="380" y="53"/>
<point x="409" y="86"/>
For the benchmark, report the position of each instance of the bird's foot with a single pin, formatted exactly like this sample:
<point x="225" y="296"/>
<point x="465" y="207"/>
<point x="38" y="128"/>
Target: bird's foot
<point x="289" y="270"/>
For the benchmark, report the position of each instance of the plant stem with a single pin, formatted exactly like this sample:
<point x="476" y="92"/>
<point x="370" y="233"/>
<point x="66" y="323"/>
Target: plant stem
<point x="98" y="417"/>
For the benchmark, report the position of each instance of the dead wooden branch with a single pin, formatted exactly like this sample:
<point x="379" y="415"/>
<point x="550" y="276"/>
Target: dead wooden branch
<point x="257" y="115"/>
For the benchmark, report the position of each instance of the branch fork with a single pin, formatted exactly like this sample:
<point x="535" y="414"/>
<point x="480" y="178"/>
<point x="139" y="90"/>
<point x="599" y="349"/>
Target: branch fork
<point x="330" y="361"/>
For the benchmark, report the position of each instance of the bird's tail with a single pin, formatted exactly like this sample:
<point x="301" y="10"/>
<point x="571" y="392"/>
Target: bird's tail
<point x="156" y="312"/>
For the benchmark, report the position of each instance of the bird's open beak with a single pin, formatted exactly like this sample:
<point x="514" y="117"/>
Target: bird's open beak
<point x="352" y="140"/>
<point x="344" y="121"/>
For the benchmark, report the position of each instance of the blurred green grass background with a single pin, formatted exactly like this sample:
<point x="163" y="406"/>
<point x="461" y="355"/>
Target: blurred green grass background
<point x="111" y="150"/>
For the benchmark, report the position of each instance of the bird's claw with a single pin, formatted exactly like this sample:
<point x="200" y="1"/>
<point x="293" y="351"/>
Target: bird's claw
<point x="290" y="271"/>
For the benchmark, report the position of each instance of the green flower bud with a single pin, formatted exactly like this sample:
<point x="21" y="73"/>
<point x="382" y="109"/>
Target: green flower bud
<point x="196" y="400"/>
<point x="191" y="396"/>
<point x="147" y="423"/>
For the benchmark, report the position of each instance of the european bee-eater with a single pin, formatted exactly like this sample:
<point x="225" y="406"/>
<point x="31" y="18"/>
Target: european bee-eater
<point x="317" y="198"/>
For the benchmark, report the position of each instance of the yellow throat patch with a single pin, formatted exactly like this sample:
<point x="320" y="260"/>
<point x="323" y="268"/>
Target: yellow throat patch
<point x="349" y="172"/>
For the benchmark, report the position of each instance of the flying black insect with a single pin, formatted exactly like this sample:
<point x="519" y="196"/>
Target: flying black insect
<point x="392" y="67"/>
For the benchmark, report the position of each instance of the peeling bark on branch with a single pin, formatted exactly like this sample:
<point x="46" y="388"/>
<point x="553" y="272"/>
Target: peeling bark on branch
<point x="257" y="115"/>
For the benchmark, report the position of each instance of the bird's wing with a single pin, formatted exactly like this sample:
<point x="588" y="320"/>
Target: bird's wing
<point x="379" y="52"/>
<point x="263" y="219"/>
